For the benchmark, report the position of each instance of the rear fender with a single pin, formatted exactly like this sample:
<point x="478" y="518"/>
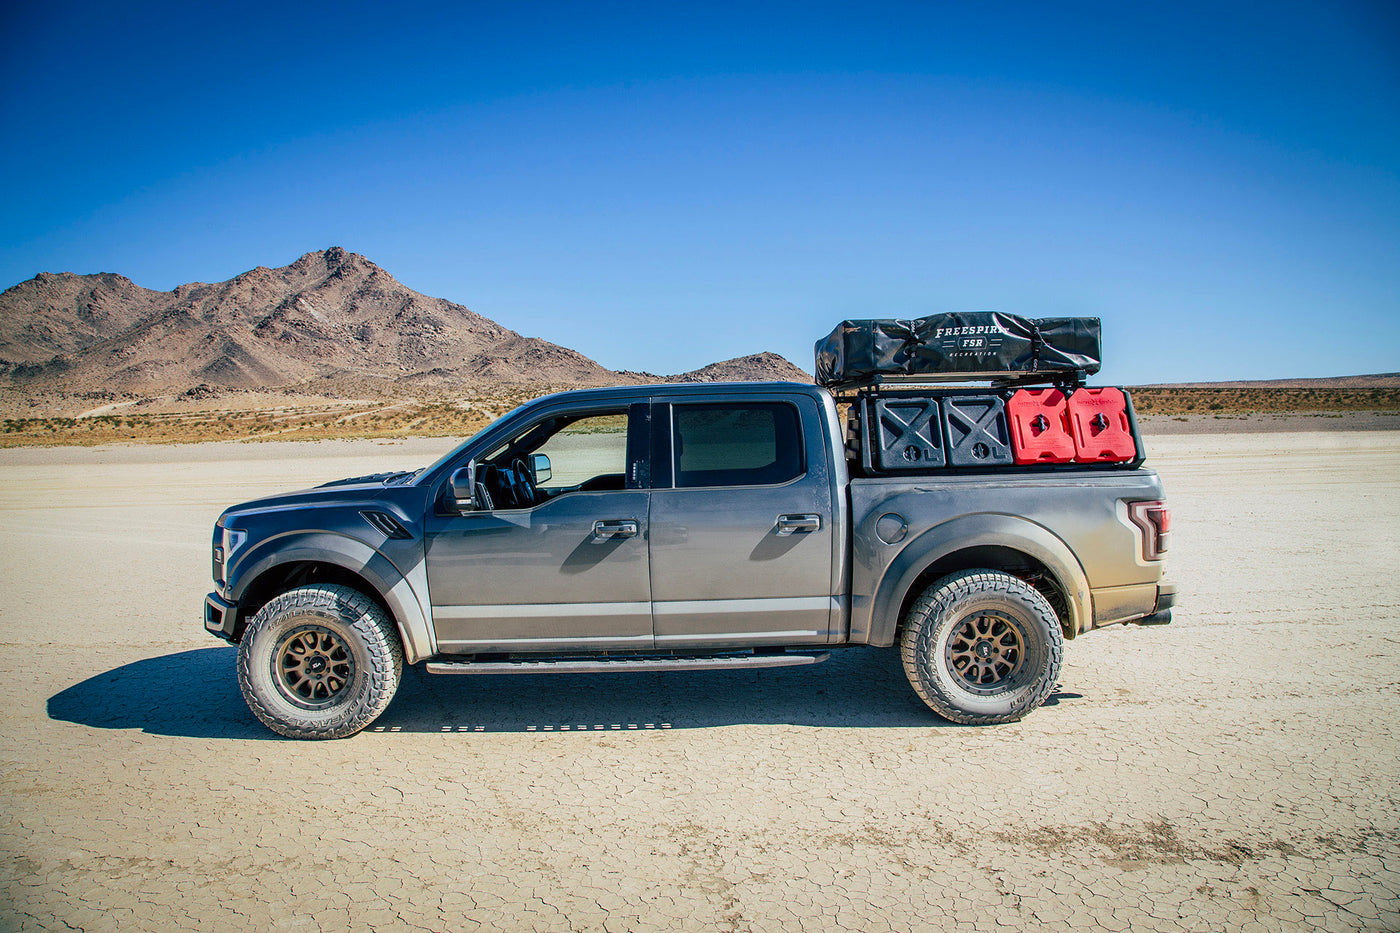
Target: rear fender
<point x="400" y="589"/>
<point x="987" y="529"/>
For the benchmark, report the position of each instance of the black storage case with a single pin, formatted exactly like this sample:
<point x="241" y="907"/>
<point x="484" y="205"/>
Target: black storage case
<point x="962" y="345"/>
<point x="905" y="433"/>
<point x="977" y="431"/>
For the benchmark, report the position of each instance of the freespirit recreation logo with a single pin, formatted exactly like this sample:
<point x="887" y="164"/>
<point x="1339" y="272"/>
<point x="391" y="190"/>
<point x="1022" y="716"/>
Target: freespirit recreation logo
<point x="969" y="341"/>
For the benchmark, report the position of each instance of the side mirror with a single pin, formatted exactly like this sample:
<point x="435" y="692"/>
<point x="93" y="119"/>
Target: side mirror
<point x="539" y="465"/>
<point x="460" y="488"/>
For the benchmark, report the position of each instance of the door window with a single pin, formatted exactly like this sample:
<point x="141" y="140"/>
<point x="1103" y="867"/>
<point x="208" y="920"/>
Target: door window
<point x="736" y="444"/>
<point x="589" y="450"/>
<point x="584" y="453"/>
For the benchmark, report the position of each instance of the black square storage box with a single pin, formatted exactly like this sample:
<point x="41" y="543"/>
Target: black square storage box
<point x="906" y="434"/>
<point x="976" y="430"/>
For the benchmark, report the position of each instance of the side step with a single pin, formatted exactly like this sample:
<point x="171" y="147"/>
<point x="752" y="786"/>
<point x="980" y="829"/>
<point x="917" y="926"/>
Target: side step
<point x="618" y="665"/>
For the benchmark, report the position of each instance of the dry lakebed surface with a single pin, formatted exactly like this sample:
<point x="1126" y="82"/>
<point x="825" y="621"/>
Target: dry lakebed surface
<point x="1236" y="770"/>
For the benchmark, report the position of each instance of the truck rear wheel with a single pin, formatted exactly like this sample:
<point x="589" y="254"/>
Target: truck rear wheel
<point x="319" y="662"/>
<point x="981" y="647"/>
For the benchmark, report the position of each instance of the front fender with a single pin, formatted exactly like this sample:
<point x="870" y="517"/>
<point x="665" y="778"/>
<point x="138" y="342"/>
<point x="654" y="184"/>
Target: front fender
<point x="403" y="590"/>
<point x="874" y="619"/>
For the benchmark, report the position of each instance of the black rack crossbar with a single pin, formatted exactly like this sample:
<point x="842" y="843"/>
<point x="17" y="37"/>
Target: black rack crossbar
<point x="941" y="381"/>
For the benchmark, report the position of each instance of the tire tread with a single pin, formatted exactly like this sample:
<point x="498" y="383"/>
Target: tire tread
<point x="378" y="635"/>
<point x="916" y="634"/>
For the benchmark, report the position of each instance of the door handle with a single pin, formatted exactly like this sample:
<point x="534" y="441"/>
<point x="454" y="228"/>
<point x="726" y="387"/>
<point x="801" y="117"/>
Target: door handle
<point x="620" y="528"/>
<point x="799" y="524"/>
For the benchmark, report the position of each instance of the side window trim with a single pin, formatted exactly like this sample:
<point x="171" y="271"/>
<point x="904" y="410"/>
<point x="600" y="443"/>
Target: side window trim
<point x="662" y="475"/>
<point x="639" y="433"/>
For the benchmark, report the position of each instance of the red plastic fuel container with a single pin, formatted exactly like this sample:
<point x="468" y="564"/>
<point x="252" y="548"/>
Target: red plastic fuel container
<point x="1040" y="426"/>
<point x="1099" y="421"/>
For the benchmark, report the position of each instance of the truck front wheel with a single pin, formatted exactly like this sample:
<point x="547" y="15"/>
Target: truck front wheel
<point x="319" y="662"/>
<point x="981" y="647"/>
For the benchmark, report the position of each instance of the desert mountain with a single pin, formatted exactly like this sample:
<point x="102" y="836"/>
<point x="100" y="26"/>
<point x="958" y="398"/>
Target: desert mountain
<point x="328" y="313"/>
<point x="51" y="315"/>
<point x="756" y="367"/>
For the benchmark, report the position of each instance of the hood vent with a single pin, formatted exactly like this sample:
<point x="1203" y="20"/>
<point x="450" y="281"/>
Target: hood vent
<point x="386" y="523"/>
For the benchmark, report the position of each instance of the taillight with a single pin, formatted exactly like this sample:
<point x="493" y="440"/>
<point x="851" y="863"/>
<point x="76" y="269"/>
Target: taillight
<point x="1155" y="520"/>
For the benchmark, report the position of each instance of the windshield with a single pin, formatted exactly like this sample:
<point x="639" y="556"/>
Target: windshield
<point x="432" y="467"/>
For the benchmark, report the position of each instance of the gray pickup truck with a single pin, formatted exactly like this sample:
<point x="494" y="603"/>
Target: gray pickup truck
<point x="665" y="527"/>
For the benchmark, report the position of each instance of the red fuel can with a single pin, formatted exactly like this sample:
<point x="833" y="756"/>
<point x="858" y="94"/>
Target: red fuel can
<point x="1040" y="426"/>
<point x="1099" y="421"/>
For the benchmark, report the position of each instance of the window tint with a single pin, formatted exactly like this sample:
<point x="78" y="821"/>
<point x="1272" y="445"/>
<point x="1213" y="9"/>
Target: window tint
<point x="741" y="444"/>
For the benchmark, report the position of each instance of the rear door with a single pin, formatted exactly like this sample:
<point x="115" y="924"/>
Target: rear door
<point x="741" y="522"/>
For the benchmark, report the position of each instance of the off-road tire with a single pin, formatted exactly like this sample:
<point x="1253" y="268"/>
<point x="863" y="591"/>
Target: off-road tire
<point x="942" y="642"/>
<point x="348" y="633"/>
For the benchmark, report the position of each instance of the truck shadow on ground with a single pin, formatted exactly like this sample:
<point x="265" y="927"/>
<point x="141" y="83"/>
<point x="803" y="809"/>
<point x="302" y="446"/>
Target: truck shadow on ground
<point x="189" y="693"/>
<point x="195" y="694"/>
<point x="858" y="687"/>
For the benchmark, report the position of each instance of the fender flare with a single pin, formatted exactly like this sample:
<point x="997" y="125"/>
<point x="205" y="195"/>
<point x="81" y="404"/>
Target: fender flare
<point x="399" y="589"/>
<point x="984" y="529"/>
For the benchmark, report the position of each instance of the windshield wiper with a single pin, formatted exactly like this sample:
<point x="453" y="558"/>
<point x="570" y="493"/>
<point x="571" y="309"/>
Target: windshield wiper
<point x="403" y="476"/>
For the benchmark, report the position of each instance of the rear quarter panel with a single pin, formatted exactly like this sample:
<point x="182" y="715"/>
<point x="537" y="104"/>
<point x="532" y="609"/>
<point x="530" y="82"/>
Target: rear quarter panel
<point x="1072" y="522"/>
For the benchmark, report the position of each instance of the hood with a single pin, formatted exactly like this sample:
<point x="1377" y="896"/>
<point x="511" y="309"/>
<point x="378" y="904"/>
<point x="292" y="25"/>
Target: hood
<point x="339" y="492"/>
<point x="372" y="479"/>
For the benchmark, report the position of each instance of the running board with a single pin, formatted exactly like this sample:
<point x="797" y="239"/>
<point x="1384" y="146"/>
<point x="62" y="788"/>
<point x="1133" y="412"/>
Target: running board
<point x="577" y="666"/>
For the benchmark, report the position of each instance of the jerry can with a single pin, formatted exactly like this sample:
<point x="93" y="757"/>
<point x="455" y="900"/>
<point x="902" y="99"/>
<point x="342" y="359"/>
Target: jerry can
<point x="1099" y="422"/>
<point x="1040" y="426"/>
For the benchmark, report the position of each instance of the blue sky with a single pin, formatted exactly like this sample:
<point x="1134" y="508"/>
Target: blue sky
<point x="661" y="185"/>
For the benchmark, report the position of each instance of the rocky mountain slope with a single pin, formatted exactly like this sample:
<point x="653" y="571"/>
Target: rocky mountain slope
<point x="329" y="313"/>
<point x="756" y="367"/>
<point x="50" y="314"/>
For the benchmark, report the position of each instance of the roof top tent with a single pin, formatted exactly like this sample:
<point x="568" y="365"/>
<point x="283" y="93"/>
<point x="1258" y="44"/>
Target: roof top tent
<point x="961" y="346"/>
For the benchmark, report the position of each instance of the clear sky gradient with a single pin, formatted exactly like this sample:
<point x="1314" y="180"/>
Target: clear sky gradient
<point x="661" y="186"/>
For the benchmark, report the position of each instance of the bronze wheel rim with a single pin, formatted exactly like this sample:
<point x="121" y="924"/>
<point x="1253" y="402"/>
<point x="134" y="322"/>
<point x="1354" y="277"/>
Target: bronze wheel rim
<point x="985" y="652"/>
<point x="313" y="667"/>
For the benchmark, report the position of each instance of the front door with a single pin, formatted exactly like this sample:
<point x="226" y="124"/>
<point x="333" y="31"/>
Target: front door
<point x="555" y="565"/>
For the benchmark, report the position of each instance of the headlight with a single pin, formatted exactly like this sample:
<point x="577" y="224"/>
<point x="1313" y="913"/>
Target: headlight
<point x="233" y="540"/>
<point x="229" y="541"/>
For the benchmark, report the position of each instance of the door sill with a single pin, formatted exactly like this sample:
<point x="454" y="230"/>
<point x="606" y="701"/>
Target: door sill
<point x="618" y="665"/>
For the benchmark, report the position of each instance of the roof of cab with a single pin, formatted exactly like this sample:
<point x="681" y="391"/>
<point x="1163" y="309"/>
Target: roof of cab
<point x="682" y="389"/>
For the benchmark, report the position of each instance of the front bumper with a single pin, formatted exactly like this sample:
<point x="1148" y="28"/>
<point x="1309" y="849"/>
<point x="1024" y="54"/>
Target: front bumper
<point x="220" y="617"/>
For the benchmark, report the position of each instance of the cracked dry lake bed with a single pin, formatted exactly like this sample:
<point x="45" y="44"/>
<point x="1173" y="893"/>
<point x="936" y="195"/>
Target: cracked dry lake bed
<point x="1234" y="770"/>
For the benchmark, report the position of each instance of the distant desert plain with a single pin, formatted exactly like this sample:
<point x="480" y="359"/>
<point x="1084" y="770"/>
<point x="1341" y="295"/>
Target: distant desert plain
<point x="332" y="346"/>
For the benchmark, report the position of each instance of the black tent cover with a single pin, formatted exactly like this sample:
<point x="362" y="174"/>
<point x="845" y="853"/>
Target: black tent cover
<point x="973" y="344"/>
